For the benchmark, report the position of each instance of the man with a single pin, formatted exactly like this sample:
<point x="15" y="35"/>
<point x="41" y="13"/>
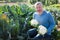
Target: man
<point x="44" y="18"/>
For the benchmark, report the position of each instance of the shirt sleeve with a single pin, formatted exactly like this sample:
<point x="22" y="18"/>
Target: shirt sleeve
<point x="51" y="22"/>
<point x="33" y="16"/>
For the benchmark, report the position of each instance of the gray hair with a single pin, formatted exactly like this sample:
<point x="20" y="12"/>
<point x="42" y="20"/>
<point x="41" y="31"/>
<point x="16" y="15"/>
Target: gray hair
<point x="37" y="3"/>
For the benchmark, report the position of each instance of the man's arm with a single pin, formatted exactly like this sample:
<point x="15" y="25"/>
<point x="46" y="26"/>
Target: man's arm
<point x="51" y="22"/>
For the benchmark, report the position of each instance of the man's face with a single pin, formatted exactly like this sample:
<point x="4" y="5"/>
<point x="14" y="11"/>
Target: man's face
<point x="39" y="8"/>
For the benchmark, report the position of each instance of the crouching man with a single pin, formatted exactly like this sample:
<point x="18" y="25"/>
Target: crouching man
<point x="44" y="18"/>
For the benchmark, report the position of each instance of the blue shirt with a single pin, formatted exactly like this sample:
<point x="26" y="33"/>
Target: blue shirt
<point x="45" y="19"/>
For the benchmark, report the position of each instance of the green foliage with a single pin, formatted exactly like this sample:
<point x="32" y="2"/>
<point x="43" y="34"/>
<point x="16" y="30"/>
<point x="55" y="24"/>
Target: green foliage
<point x="45" y="2"/>
<point x="16" y="16"/>
<point x="4" y="24"/>
<point x="1" y="9"/>
<point x="56" y="34"/>
<point x="33" y="1"/>
<point x="4" y="8"/>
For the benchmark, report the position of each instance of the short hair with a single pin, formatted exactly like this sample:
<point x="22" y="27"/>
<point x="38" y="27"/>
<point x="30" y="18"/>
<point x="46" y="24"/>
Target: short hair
<point x="37" y="3"/>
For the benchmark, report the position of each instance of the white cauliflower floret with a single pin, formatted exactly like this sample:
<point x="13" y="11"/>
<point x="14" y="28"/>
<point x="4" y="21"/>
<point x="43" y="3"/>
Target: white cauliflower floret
<point x="42" y="30"/>
<point x="34" y="23"/>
